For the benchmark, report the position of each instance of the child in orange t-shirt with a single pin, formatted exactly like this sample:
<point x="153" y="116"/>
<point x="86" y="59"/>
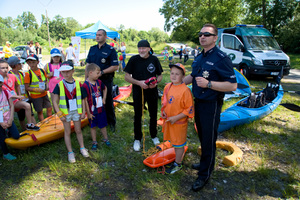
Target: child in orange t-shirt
<point x="177" y="107"/>
<point x="36" y="84"/>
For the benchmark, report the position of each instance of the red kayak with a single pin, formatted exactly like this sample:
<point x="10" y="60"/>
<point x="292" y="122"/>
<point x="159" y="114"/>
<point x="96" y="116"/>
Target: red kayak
<point x="162" y="158"/>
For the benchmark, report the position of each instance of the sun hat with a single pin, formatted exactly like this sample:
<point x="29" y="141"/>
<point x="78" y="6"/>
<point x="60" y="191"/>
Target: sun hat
<point x="143" y="43"/>
<point x="55" y="52"/>
<point x="32" y="57"/>
<point x="66" y="66"/>
<point x="7" y="42"/>
<point x="14" y="60"/>
<point x="179" y="66"/>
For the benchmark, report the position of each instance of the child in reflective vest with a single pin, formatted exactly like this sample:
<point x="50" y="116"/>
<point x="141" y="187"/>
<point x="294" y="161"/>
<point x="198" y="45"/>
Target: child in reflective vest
<point x="52" y="68"/>
<point x="36" y="84"/>
<point x="177" y="107"/>
<point x="96" y="96"/>
<point x="68" y="104"/>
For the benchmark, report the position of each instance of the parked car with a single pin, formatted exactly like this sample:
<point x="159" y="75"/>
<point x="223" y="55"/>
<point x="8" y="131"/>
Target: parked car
<point x="20" y="49"/>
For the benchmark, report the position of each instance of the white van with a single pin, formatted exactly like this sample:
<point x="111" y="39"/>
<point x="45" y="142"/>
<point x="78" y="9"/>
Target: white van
<point x="253" y="50"/>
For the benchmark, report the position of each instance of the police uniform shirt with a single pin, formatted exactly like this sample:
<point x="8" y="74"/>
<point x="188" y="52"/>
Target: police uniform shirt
<point x="104" y="57"/>
<point x="213" y="65"/>
<point x="142" y="69"/>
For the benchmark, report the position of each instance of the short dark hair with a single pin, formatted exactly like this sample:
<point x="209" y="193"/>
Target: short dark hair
<point x="92" y="67"/>
<point x="101" y="29"/>
<point x="212" y="26"/>
<point x="3" y="61"/>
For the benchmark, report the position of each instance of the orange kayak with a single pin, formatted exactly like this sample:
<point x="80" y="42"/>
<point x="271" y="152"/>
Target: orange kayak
<point x="162" y="158"/>
<point x="52" y="128"/>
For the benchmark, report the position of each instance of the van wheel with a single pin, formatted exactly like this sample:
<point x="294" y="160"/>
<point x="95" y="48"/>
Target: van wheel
<point x="245" y="72"/>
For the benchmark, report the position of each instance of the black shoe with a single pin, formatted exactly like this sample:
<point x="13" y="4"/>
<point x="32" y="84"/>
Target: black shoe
<point x="198" y="185"/>
<point x="196" y="166"/>
<point x="112" y="128"/>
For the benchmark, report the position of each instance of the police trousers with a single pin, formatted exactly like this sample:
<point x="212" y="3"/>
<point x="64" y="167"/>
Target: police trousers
<point x="207" y="118"/>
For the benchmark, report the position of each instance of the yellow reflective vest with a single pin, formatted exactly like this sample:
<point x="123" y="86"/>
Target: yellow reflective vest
<point x="35" y="80"/>
<point x="63" y="101"/>
<point x="20" y="81"/>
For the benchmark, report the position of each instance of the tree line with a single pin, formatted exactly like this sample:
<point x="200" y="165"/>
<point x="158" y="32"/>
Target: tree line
<point x="25" y="28"/>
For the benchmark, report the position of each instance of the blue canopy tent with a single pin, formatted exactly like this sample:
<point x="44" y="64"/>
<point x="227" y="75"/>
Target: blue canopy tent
<point x="90" y="32"/>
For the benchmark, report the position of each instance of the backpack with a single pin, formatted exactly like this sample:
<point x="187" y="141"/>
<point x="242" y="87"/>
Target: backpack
<point x="121" y="57"/>
<point x="184" y="51"/>
<point x="30" y="75"/>
<point x="271" y="91"/>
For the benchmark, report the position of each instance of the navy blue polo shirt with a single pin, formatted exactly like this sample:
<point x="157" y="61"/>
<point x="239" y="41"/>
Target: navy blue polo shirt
<point x="104" y="57"/>
<point x="213" y="65"/>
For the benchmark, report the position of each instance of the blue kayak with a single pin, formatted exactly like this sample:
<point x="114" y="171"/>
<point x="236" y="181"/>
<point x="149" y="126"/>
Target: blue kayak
<point x="237" y="115"/>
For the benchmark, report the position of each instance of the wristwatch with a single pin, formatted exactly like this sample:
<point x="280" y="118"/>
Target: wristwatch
<point x="102" y="72"/>
<point x="209" y="85"/>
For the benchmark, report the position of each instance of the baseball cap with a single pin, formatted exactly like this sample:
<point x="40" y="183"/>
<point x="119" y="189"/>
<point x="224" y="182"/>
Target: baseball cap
<point x="14" y="60"/>
<point x="1" y="78"/>
<point x="32" y="57"/>
<point x="179" y="66"/>
<point x="55" y="52"/>
<point x="66" y="66"/>
<point x="143" y="43"/>
<point x="7" y="42"/>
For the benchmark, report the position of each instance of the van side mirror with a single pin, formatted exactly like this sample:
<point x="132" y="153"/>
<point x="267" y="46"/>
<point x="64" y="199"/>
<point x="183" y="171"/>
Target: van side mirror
<point x="241" y="48"/>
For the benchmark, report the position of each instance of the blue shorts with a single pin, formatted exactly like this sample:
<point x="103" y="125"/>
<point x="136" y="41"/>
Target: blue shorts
<point x="171" y="58"/>
<point x="99" y="120"/>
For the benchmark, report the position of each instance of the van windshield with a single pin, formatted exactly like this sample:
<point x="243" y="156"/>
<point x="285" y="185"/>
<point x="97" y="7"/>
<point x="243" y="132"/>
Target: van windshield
<point x="261" y="43"/>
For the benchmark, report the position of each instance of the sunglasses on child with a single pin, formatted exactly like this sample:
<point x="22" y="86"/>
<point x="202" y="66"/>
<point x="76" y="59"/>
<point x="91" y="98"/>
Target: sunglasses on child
<point x="206" y="34"/>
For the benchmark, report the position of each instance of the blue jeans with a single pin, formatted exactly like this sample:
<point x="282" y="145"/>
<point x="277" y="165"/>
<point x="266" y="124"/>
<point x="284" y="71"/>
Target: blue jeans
<point x="14" y="134"/>
<point x="123" y="61"/>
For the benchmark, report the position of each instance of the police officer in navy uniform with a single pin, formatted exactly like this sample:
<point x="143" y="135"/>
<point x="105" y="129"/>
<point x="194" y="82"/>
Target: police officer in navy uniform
<point x="105" y="56"/>
<point x="212" y="75"/>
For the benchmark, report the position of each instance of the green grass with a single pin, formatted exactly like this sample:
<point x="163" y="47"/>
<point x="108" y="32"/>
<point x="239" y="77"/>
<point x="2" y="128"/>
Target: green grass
<point x="270" y="168"/>
<point x="295" y="61"/>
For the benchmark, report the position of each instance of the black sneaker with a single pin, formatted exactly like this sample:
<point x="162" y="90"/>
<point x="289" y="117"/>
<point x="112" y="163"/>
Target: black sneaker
<point x="32" y="127"/>
<point x="174" y="168"/>
<point x="94" y="146"/>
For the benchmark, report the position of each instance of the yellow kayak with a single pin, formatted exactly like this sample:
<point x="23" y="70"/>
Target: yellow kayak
<point x="51" y="129"/>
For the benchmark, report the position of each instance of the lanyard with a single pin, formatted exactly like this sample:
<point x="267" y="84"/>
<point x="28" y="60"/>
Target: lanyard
<point x="66" y="85"/>
<point x="91" y="88"/>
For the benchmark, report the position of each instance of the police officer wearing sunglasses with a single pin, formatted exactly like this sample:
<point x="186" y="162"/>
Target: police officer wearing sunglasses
<point x="212" y="75"/>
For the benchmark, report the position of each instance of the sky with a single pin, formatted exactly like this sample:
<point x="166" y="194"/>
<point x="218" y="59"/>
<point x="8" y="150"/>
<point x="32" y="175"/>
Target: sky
<point x="136" y="14"/>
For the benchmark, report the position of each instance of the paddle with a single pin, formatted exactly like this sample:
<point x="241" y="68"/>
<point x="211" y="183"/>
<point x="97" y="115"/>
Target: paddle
<point x="126" y="102"/>
<point x="291" y="106"/>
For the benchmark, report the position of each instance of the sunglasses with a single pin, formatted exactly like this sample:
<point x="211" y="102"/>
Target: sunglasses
<point x="206" y="34"/>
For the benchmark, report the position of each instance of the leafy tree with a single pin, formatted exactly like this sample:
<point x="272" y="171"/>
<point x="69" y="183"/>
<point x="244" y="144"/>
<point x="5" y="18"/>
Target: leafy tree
<point x="58" y="29"/>
<point x="273" y="14"/>
<point x="186" y="17"/>
<point x="27" y="20"/>
<point x="73" y="25"/>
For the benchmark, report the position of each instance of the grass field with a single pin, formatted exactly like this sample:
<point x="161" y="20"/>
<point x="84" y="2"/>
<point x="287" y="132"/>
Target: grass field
<point x="270" y="168"/>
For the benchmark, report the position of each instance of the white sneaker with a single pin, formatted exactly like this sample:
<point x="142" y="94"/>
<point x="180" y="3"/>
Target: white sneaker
<point x="155" y="141"/>
<point x="71" y="157"/>
<point x="84" y="152"/>
<point x="137" y="145"/>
